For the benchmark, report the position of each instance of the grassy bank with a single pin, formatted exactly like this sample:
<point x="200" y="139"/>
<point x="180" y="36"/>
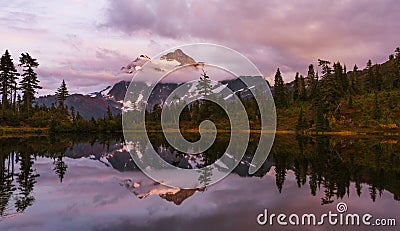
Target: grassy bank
<point x="22" y="131"/>
<point x="362" y="115"/>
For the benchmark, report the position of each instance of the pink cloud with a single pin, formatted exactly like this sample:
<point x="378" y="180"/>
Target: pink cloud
<point x="289" y="34"/>
<point x="83" y="74"/>
<point x="81" y="41"/>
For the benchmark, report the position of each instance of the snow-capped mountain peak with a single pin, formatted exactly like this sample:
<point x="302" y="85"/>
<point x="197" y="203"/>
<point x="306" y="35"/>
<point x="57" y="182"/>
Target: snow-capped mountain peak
<point x="136" y="64"/>
<point x="144" y="57"/>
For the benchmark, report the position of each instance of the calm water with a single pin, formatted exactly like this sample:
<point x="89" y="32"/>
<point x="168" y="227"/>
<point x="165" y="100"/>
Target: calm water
<point x="91" y="183"/>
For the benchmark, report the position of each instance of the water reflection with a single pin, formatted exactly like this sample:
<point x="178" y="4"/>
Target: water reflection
<point x="145" y="188"/>
<point x="18" y="175"/>
<point x="328" y="166"/>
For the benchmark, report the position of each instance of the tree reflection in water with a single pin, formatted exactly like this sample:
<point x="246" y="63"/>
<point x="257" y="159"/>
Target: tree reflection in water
<point x="333" y="162"/>
<point x="328" y="165"/>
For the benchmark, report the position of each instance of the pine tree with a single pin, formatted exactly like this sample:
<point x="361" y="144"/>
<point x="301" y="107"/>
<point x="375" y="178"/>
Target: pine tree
<point x="377" y="110"/>
<point x="353" y="81"/>
<point x="311" y="82"/>
<point x="79" y="117"/>
<point x="155" y="114"/>
<point x="326" y="69"/>
<point x="204" y="89"/>
<point x="322" y="122"/>
<point x="109" y="113"/>
<point x="195" y="112"/>
<point x="397" y="52"/>
<point x="301" y="121"/>
<point x="19" y="102"/>
<point x="296" y="90"/>
<point x="302" y="88"/>
<point x="378" y="84"/>
<point x="337" y="72"/>
<point x="345" y="80"/>
<point x="60" y="168"/>
<point x="316" y="101"/>
<point x="279" y="91"/>
<point x="73" y="114"/>
<point x="26" y="179"/>
<point x="204" y="84"/>
<point x="8" y="77"/>
<point x="185" y="114"/>
<point x="329" y="91"/>
<point x="350" y="101"/>
<point x="29" y="83"/>
<point x="340" y="77"/>
<point x="368" y="82"/>
<point x="396" y="82"/>
<point x="62" y="94"/>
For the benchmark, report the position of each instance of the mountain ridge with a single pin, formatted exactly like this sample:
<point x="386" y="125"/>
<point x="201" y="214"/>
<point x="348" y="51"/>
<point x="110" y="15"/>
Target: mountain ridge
<point x="96" y="104"/>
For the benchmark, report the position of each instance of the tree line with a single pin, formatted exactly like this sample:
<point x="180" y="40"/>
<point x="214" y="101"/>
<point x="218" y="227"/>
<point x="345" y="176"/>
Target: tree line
<point x="18" y="174"/>
<point x="325" y="94"/>
<point x="11" y="102"/>
<point x="321" y="100"/>
<point x="202" y="109"/>
<point x="18" y="107"/>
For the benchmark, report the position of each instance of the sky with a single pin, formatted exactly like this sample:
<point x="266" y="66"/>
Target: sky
<point x="87" y="42"/>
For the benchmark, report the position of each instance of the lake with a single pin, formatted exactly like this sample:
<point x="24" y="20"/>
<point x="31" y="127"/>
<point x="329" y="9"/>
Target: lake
<point x="90" y="182"/>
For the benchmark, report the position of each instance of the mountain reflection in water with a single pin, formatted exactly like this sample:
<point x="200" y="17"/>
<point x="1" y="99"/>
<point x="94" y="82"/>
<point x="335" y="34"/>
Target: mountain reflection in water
<point x="325" y="169"/>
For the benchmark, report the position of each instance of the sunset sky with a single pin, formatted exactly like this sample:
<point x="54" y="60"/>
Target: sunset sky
<point x="87" y="42"/>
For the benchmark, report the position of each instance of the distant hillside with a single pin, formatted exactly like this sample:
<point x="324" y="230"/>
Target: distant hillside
<point x="338" y="100"/>
<point x="86" y="105"/>
<point x="95" y="104"/>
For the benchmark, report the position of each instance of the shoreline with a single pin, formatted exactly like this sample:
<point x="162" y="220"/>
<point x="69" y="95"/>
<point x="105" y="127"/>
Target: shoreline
<point x="29" y="131"/>
<point x="9" y="132"/>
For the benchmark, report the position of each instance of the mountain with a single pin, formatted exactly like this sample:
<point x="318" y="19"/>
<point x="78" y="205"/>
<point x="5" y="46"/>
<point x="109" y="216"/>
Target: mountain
<point x="87" y="106"/>
<point x="95" y="104"/>
<point x="136" y="64"/>
<point x="178" y="56"/>
<point x="90" y="105"/>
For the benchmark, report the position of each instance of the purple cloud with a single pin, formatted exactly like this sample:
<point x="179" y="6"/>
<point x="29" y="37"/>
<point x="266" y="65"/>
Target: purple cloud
<point x="83" y="40"/>
<point x="83" y="74"/>
<point x="288" y="34"/>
